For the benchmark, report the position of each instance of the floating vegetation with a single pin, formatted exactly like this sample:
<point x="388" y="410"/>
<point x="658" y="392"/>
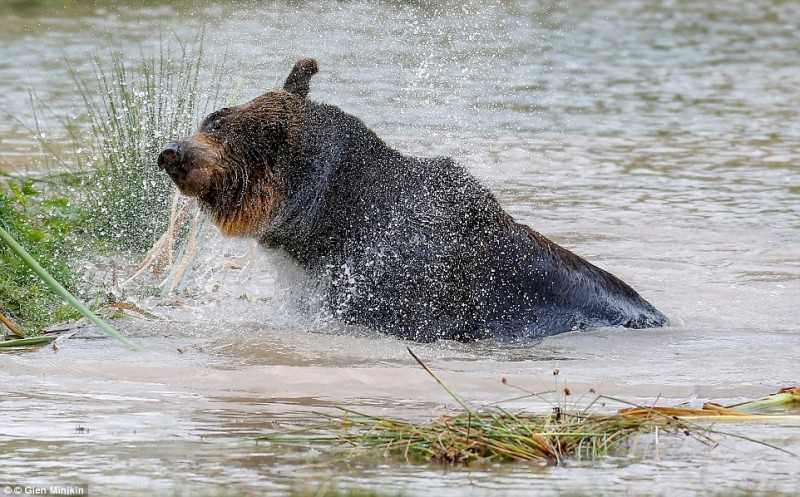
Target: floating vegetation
<point x="491" y="435"/>
<point x="752" y="409"/>
<point x="782" y="398"/>
<point x="494" y="434"/>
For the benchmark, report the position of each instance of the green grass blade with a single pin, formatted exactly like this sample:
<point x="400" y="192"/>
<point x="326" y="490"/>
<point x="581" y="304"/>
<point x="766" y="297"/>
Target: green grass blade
<point x="26" y="342"/>
<point x="56" y="287"/>
<point x="440" y="382"/>
<point x="780" y="399"/>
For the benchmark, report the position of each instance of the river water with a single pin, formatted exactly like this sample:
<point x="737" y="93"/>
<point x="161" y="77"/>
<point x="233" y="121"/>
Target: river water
<point x="658" y="139"/>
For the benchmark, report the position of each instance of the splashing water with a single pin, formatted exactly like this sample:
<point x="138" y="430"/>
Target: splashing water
<point x="658" y="141"/>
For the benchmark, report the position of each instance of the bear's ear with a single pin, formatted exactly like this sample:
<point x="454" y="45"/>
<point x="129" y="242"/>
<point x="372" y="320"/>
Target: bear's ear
<point x="298" y="79"/>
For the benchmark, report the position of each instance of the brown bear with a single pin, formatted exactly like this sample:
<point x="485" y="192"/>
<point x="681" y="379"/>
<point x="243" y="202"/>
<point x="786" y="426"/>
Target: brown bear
<point x="416" y="247"/>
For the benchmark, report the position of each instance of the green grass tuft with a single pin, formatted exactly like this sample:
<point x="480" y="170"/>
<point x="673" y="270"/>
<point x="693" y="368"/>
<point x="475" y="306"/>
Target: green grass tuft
<point x="140" y="108"/>
<point x="495" y="435"/>
<point x="486" y="436"/>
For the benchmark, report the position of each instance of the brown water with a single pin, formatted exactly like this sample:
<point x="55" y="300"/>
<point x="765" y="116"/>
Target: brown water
<point x="660" y="140"/>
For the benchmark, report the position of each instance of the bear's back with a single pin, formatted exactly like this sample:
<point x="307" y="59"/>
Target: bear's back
<point x="419" y="248"/>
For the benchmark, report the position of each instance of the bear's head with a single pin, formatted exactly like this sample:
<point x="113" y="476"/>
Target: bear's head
<point x="237" y="162"/>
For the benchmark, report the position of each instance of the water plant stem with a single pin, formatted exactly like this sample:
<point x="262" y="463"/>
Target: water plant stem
<point x="452" y="394"/>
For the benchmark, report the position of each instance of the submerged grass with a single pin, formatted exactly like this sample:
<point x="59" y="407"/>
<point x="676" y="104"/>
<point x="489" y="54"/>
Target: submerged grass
<point x="494" y="435"/>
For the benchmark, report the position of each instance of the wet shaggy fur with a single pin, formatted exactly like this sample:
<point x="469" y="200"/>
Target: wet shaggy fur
<point x="416" y="247"/>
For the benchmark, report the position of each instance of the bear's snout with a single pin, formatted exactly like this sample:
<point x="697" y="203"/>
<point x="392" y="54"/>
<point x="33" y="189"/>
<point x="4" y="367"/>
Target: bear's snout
<point x="191" y="165"/>
<point x="170" y="157"/>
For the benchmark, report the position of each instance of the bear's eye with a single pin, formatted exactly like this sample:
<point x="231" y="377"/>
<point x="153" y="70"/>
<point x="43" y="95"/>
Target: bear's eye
<point x="214" y="120"/>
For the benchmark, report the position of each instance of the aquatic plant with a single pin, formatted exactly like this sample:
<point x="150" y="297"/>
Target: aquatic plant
<point x="493" y="434"/>
<point x="487" y="435"/>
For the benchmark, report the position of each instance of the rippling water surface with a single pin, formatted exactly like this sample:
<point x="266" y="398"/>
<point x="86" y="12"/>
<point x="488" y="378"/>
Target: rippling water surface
<point x="658" y="139"/>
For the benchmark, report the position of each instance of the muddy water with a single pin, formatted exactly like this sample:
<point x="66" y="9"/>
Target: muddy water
<point x="659" y="141"/>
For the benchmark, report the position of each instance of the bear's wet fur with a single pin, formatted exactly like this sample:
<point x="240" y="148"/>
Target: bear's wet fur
<point x="415" y="247"/>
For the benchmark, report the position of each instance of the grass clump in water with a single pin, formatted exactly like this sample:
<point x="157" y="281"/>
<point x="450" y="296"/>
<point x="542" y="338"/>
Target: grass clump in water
<point x="490" y="435"/>
<point x="496" y="435"/>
